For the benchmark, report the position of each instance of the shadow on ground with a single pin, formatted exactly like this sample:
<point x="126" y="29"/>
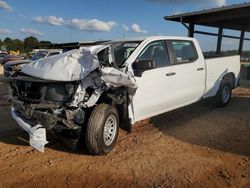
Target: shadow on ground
<point x="225" y="129"/>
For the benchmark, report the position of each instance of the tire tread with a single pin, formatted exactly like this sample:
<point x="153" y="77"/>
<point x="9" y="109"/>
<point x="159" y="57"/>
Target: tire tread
<point x="94" y="125"/>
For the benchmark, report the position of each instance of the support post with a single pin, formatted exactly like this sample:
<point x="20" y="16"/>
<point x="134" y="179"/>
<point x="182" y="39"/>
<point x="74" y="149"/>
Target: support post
<point x="219" y="40"/>
<point x="191" y="30"/>
<point x="242" y="36"/>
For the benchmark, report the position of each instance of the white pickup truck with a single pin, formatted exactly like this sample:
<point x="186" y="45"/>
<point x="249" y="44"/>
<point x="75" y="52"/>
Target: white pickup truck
<point x="96" y="89"/>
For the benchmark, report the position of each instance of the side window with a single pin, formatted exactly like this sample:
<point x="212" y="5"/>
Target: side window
<point x="185" y="51"/>
<point x="156" y="51"/>
<point x="123" y="50"/>
<point x="103" y="57"/>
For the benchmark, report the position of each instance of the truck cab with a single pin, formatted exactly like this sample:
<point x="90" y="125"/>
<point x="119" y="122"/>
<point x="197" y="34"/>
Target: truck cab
<point x="177" y="79"/>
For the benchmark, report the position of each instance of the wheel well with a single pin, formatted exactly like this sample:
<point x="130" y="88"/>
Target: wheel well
<point x="118" y="98"/>
<point x="229" y="78"/>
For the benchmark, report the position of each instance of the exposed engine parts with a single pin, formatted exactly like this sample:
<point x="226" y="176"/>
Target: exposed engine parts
<point x="88" y="91"/>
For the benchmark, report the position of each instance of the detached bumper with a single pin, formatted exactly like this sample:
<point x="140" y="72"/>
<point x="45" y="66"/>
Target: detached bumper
<point x="37" y="134"/>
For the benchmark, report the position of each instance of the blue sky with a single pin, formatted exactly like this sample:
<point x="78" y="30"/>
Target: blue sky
<point x="79" y="20"/>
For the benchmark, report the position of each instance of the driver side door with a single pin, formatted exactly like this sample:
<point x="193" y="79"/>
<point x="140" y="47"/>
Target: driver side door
<point x="155" y="91"/>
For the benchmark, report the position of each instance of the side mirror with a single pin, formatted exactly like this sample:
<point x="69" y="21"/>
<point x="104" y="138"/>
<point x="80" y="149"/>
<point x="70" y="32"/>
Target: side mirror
<point x="140" y="66"/>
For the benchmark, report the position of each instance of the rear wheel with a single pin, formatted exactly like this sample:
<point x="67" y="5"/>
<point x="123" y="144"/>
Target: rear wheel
<point x="223" y="96"/>
<point x="102" y="129"/>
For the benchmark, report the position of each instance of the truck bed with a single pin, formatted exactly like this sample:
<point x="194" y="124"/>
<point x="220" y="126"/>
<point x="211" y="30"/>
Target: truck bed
<point x="217" y="68"/>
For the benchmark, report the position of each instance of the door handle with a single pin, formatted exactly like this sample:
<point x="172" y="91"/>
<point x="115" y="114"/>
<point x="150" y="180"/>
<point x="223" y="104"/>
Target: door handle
<point x="170" y="74"/>
<point x="200" y="69"/>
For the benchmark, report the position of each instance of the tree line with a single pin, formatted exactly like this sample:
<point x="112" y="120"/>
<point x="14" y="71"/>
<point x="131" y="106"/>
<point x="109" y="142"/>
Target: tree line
<point x="23" y="46"/>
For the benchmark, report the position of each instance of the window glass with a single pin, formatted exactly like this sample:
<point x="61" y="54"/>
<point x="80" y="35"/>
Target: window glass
<point x="184" y="51"/>
<point x="39" y="55"/>
<point x="3" y="55"/>
<point x="122" y="51"/>
<point x="103" y="57"/>
<point x="156" y="51"/>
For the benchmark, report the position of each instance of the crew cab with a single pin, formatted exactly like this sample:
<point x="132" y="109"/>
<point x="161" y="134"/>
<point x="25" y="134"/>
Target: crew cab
<point x="94" y="90"/>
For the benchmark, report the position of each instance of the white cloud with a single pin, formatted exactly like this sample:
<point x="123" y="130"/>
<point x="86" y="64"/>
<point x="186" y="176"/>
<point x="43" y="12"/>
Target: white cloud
<point x="176" y="12"/>
<point x="51" y="20"/>
<point x="77" y="23"/>
<point x="216" y="3"/>
<point x="5" y="31"/>
<point x="137" y="29"/>
<point x="5" y="6"/>
<point x="91" y="25"/>
<point x="220" y="2"/>
<point x="125" y="27"/>
<point x="31" y="32"/>
<point x="38" y="19"/>
<point x="22" y="16"/>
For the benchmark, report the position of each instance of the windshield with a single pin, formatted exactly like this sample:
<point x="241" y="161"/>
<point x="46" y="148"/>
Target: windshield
<point x="39" y="55"/>
<point x="3" y="55"/>
<point x="122" y="50"/>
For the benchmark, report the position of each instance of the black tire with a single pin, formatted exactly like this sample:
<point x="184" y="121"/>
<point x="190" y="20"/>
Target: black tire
<point x="100" y="118"/>
<point x="223" y="95"/>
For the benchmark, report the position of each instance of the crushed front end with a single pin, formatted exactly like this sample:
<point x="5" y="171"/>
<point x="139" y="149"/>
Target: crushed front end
<point x="58" y="93"/>
<point x="53" y="105"/>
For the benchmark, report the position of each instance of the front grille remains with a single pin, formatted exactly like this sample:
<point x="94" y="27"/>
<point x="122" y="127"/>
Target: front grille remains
<point x="42" y="91"/>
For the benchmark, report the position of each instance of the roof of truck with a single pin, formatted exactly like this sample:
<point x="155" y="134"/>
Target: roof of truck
<point x="153" y="38"/>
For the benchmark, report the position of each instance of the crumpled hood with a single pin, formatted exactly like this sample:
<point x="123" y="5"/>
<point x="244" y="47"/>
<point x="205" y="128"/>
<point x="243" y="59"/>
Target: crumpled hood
<point x="69" y="66"/>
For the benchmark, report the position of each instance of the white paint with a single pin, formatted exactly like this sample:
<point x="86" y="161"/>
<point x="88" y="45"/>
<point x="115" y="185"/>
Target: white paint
<point x="216" y="69"/>
<point x="158" y="93"/>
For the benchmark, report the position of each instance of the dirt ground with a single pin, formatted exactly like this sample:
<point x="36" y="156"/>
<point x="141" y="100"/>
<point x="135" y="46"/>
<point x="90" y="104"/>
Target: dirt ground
<point x="197" y="146"/>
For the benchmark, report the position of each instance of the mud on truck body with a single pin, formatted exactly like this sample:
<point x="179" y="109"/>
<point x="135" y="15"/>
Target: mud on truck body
<point x="95" y="89"/>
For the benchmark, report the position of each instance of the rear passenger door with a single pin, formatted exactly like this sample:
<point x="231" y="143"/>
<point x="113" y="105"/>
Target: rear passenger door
<point x="189" y="71"/>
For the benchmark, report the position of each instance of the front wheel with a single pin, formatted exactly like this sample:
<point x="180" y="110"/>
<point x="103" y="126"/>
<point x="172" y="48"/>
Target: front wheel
<point x="102" y="129"/>
<point x="223" y="95"/>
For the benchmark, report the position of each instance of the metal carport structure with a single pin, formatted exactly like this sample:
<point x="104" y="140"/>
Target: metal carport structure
<point x="234" y="17"/>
